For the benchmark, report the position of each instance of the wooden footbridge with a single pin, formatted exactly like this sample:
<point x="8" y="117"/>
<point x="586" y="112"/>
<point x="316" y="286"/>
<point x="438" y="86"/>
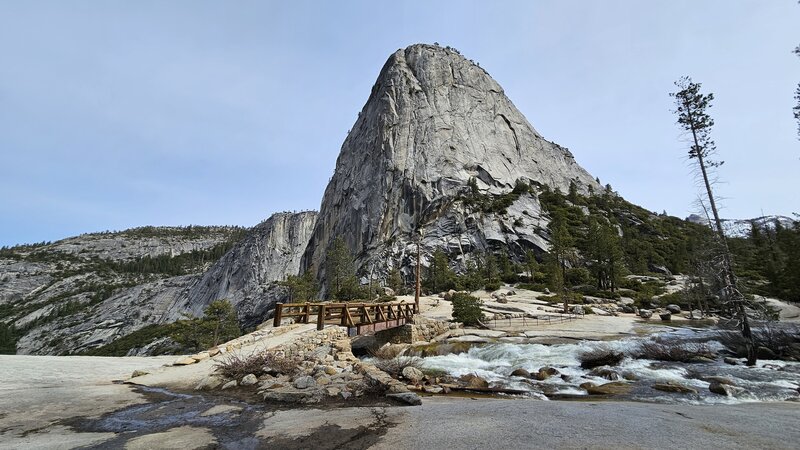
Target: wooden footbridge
<point x="359" y="318"/>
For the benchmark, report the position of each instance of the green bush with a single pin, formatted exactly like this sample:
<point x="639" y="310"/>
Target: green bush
<point x="492" y="285"/>
<point x="466" y="308"/>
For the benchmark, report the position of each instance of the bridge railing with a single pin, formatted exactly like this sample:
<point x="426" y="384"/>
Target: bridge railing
<point x="357" y="317"/>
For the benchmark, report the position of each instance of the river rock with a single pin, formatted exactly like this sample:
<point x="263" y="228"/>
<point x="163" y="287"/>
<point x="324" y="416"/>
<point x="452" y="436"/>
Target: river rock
<point x="674" y="309"/>
<point x="520" y="372"/>
<point x="731" y="361"/>
<point x="613" y="388"/>
<point x="230" y="384"/>
<point x="474" y="381"/>
<point x="408" y="398"/>
<point x="249" y="380"/>
<point x="720" y="388"/>
<point x="666" y="317"/>
<point x="645" y="313"/>
<point x="545" y="373"/>
<point x="674" y="387"/>
<point x="413" y="374"/>
<point x="304" y="382"/>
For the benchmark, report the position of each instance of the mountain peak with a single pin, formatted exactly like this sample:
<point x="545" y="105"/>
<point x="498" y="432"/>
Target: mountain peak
<point x="433" y="122"/>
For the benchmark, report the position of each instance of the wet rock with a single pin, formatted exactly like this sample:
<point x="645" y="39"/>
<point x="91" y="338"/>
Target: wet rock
<point x="766" y="353"/>
<point x="606" y="373"/>
<point x="645" y="313"/>
<point x="249" y="380"/>
<point x="304" y="382"/>
<point x="521" y="373"/>
<point x="474" y="381"/>
<point x="413" y="374"/>
<point x="674" y="309"/>
<point x="720" y="380"/>
<point x="545" y="373"/>
<point x="408" y="398"/>
<point x="674" y="387"/>
<point x="721" y="389"/>
<point x="731" y="361"/>
<point x="613" y="388"/>
<point x="666" y="317"/>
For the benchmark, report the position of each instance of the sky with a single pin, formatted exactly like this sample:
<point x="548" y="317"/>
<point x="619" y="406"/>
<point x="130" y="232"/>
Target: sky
<point x="122" y="114"/>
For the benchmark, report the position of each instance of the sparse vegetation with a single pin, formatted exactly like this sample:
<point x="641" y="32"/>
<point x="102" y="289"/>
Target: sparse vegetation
<point x="235" y="366"/>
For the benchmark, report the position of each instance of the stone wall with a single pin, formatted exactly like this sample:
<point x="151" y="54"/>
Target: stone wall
<point x="318" y="341"/>
<point x="421" y="329"/>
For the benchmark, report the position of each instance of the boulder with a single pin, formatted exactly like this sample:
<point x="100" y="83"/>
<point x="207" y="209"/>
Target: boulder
<point x="230" y="384"/>
<point x="766" y="353"/>
<point x="720" y="380"/>
<point x="248" y="380"/>
<point x="304" y="382"/>
<point x="413" y="374"/>
<point x="389" y="292"/>
<point x="674" y="309"/>
<point x="577" y="309"/>
<point x="720" y="388"/>
<point x="731" y="361"/>
<point x="545" y="373"/>
<point x="666" y="317"/>
<point x="520" y="372"/>
<point x="645" y="313"/>
<point x="471" y="380"/>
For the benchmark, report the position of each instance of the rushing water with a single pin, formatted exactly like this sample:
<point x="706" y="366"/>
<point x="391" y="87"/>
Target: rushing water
<point x="768" y="381"/>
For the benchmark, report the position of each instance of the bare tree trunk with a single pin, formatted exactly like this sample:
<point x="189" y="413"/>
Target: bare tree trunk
<point x="729" y="279"/>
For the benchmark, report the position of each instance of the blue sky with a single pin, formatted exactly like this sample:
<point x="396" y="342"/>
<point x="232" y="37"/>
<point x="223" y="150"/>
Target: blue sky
<point x="122" y="114"/>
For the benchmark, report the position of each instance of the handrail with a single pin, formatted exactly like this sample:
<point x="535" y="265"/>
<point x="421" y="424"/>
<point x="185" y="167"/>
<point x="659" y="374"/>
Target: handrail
<point x="346" y="314"/>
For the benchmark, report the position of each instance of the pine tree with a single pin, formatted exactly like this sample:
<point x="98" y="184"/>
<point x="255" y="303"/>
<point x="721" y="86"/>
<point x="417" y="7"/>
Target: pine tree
<point x="691" y="108"/>
<point x="340" y="272"/>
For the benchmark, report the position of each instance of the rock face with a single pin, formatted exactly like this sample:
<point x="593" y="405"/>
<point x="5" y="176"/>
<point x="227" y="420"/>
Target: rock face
<point x="246" y="275"/>
<point x="433" y="121"/>
<point x="84" y="292"/>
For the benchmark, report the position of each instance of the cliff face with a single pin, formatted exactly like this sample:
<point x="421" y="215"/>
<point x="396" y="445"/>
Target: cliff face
<point x="433" y="121"/>
<point x="84" y="292"/>
<point x="246" y="275"/>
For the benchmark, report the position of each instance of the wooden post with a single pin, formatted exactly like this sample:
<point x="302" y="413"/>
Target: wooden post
<point x="418" y="285"/>
<point x="307" y="310"/>
<point x="276" y="321"/>
<point x="321" y="317"/>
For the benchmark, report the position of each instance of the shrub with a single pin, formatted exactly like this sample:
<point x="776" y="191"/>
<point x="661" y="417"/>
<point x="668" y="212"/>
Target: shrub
<point x="492" y="285"/>
<point x="235" y="365"/>
<point x="466" y="308"/>
<point x="538" y="287"/>
<point x="677" y="352"/>
<point x="600" y="356"/>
